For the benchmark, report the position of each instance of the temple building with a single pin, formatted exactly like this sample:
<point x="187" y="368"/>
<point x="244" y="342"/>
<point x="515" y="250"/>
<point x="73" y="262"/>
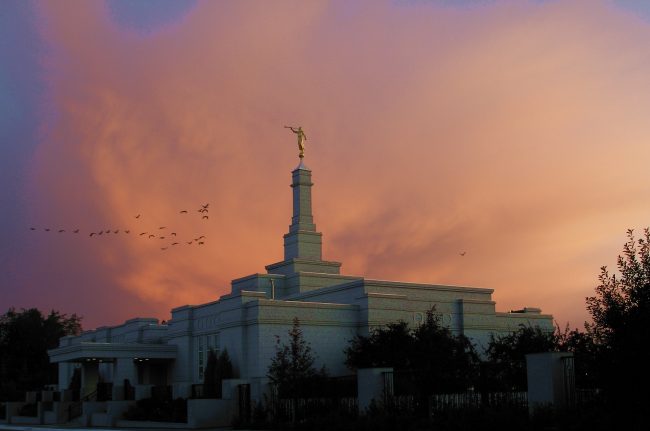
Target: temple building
<point x="332" y="308"/>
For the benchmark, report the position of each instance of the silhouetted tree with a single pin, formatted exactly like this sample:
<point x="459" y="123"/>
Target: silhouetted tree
<point x="505" y="368"/>
<point x="389" y="346"/>
<point x="217" y="369"/>
<point x="585" y="351"/>
<point x="293" y="364"/>
<point x="25" y="337"/>
<point x="210" y="381"/>
<point x="445" y="362"/>
<point x="427" y="359"/>
<point x="620" y="310"/>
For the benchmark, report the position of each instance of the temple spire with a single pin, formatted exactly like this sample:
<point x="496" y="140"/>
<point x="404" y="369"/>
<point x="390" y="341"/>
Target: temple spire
<point x="302" y="241"/>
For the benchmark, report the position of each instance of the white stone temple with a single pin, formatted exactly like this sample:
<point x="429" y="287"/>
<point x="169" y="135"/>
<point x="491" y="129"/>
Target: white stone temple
<point x="332" y="308"/>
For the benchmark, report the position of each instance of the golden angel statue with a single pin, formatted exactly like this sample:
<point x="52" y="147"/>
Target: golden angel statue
<point x="301" y="139"/>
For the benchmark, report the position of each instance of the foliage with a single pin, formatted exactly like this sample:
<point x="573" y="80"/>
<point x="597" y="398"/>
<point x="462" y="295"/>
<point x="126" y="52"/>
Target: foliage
<point x="585" y="351"/>
<point x="390" y="346"/>
<point x="620" y="310"/>
<point x="292" y="368"/>
<point x="158" y="410"/>
<point x="25" y="337"/>
<point x="505" y="368"/>
<point x="217" y="369"/>
<point x="436" y="359"/>
<point x="448" y="363"/>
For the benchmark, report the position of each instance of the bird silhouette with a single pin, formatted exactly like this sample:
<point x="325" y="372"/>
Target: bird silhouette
<point x="174" y="243"/>
<point x="184" y="212"/>
<point x="162" y="227"/>
<point x="47" y="229"/>
<point x="92" y="233"/>
<point x="61" y="230"/>
<point x="201" y="237"/>
<point x="138" y="216"/>
<point x="116" y="231"/>
<point x="200" y="242"/>
<point x="163" y="248"/>
<point x="174" y="233"/>
<point x="205" y="217"/>
<point x="152" y="236"/>
<point x="127" y="231"/>
<point x="189" y="242"/>
<point x="100" y="232"/>
<point x="205" y="206"/>
<point x="462" y="253"/>
<point x="143" y="233"/>
<point x="76" y="231"/>
<point x="162" y="237"/>
<point x="32" y="228"/>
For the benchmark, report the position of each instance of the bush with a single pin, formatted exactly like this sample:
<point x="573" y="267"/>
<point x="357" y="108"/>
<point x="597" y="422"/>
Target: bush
<point x="156" y="410"/>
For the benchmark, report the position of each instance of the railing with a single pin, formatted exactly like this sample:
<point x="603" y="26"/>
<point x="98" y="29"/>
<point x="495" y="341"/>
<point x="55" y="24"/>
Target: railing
<point x="75" y="409"/>
<point x="457" y="401"/>
<point x="296" y="409"/>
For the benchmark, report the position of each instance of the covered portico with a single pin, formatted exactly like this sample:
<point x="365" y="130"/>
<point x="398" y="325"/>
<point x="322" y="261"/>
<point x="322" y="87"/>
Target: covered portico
<point x="116" y="368"/>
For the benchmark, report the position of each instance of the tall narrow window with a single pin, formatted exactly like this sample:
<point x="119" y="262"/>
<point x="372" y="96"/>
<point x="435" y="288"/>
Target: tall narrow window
<point x="201" y="356"/>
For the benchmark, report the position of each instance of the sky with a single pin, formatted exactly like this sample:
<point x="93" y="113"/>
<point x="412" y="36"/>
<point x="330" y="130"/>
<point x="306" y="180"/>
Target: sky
<point x="516" y="132"/>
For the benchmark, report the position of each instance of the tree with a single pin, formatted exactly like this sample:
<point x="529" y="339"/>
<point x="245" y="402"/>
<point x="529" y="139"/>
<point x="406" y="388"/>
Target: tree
<point x="217" y="369"/>
<point x="446" y="362"/>
<point x="427" y="359"/>
<point x="25" y="337"/>
<point x="505" y="368"/>
<point x="389" y="346"/>
<point x="620" y="310"/>
<point x="293" y="365"/>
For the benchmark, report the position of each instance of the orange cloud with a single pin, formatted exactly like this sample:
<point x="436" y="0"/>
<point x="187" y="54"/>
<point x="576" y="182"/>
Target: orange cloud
<point x="513" y="131"/>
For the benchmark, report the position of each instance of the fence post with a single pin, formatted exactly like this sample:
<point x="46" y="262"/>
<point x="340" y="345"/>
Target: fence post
<point x="373" y="384"/>
<point x="551" y="381"/>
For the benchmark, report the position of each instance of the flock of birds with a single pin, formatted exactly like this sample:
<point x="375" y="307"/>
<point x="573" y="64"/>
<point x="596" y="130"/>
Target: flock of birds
<point x="158" y="233"/>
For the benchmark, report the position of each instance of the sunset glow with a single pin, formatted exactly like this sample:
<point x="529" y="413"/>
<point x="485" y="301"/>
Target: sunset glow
<point x="514" y="131"/>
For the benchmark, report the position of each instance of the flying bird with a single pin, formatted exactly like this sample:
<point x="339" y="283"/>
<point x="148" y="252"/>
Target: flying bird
<point x="32" y="228"/>
<point x="47" y="229"/>
<point x="152" y="236"/>
<point x="138" y="216"/>
<point x="162" y="237"/>
<point x="76" y="231"/>
<point x="205" y="217"/>
<point x="462" y="253"/>
<point x="143" y="233"/>
<point x="100" y="232"/>
<point x="205" y="206"/>
<point x="61" y="230"/>
<point x="189" y="242"/>
<point x="184" y="212"/>
<point x="174" y="233"/>
<point x="92" y="233"/>
<point x="200" y="242"/>
<point x="163" y="248"/>
<point x="116" y="231"/>
<point x="162" y="227"/>
<point x="174" y="243"/>
<point x="127" y="231"/>
<point x="202" y="236"/>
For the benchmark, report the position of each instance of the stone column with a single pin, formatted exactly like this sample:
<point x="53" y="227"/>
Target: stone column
<point x="65" y="374"/>
<point x="551" y="380"/>
<point x="371" y="385"/>
<point x="123" y="368"/>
